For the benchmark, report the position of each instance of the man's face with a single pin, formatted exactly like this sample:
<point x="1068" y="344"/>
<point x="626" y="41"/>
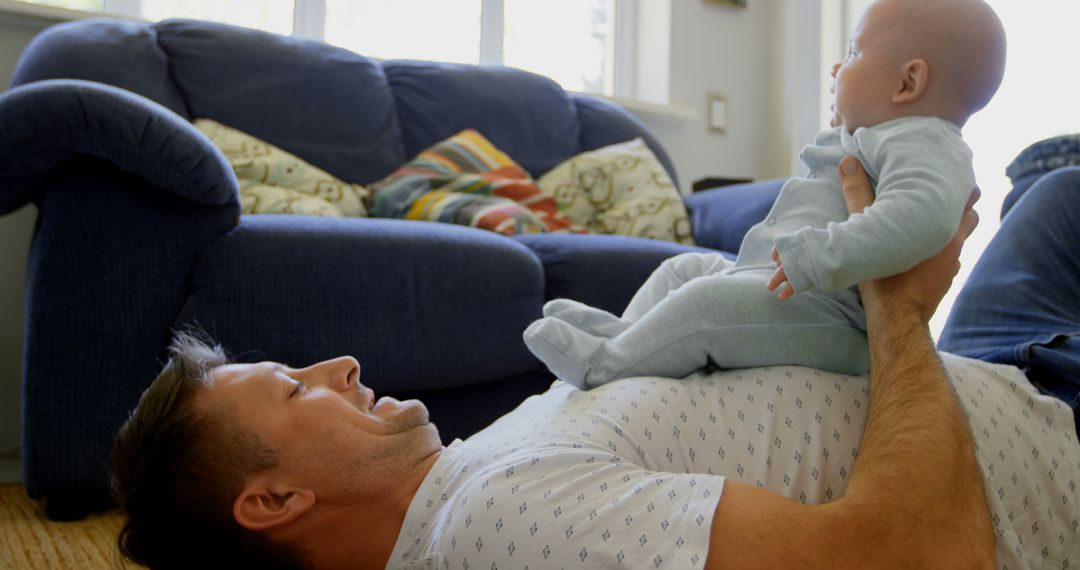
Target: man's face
<point x="329" y="431"/>
<point x="865" y="79"/>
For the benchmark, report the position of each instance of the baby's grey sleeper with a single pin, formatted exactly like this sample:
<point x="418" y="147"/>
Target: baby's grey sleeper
<point x="699" y="309"/>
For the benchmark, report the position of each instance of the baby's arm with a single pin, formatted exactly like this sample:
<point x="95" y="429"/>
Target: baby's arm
<point x="925" y="178"/>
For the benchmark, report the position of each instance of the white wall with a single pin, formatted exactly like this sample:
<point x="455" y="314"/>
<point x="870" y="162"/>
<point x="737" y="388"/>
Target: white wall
<point x="652" y="51"/>
<point x="15" y="231"/>
<point x="765" y="60"/>
<point x="795" y="87"/>
<point x="725" y="51"/>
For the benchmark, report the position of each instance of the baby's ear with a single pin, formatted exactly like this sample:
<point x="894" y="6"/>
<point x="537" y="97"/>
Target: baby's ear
<point x="913" y="79"/>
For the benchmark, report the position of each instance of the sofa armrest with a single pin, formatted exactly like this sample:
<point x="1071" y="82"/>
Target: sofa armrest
<point x="722" y="216"/>
<point x="109" y="269"/>
<point x="49" y="122"/>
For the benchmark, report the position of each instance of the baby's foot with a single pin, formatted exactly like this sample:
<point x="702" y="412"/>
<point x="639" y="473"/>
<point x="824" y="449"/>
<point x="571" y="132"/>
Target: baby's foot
<point x="563" y="348"/>
<point x="596" y="322"/>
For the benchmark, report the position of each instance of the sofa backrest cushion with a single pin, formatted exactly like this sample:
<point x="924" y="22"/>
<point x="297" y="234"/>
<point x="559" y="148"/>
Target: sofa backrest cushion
<point x="604" y="123"/>
<point x="355" y="117"/>
<point x="325" y="104"/>
<point x="527" y="116"/>
<point x="117" y="52"/>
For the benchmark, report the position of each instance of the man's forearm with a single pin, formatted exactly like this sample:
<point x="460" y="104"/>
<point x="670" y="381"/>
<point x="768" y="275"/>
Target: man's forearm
<point x="914" y="499"/>
<point x="916" y="466"/>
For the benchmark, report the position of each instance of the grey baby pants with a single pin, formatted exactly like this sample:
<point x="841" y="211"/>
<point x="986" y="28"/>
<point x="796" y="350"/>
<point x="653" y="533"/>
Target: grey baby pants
<point x="695" y="310"/>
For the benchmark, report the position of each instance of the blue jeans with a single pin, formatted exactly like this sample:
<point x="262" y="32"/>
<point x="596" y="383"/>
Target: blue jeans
<point x="1021" y="304"/>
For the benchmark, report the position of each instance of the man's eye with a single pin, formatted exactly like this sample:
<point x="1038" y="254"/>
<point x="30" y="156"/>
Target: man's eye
<point x="297" y="389"/>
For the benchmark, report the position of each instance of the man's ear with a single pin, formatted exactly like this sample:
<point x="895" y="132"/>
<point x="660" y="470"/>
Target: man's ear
<point x="264" y="504"/>
<point x="913" y="79"/>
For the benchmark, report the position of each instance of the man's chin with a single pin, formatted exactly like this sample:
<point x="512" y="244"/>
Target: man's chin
<point x="424" y="434"/>
<point x="406" y="414"/>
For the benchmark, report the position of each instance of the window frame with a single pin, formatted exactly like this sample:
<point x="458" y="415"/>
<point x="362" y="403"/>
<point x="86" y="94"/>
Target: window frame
<point x="309" y="22"/>
<point x="309" y="19"/>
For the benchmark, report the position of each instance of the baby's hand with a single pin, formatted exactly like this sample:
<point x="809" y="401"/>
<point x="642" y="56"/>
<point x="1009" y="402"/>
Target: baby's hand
<point x="779" y="278"/>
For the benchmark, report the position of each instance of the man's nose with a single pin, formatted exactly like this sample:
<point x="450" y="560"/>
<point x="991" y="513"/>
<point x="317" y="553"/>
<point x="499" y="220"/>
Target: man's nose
<point x="835" y="68"/>
<point x="341" y="373"/>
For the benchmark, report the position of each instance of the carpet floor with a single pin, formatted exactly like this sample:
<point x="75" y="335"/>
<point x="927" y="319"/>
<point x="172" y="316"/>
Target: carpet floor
<point x="29" y="540"/>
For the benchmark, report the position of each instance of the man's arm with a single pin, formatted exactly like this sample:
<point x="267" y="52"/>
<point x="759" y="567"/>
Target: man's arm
<point x="915" y="497"/>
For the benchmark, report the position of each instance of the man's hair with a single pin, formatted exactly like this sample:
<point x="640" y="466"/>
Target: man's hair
<point x="176" y="473"/>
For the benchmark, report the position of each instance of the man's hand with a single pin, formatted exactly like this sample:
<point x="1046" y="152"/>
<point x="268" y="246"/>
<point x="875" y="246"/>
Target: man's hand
<point x="921" y="288"/>
<point x="779" y="278"/>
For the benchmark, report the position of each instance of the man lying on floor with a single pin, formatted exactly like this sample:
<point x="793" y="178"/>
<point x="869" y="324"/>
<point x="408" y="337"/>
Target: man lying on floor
<point x="267" y="466"/>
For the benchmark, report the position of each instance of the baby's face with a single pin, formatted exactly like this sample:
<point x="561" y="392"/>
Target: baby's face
<point x="938" y="58"/>
<point x="863" y="81"/>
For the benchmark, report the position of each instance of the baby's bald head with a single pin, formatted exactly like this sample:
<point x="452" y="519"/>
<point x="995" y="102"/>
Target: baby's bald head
<point x="963" y="43"/>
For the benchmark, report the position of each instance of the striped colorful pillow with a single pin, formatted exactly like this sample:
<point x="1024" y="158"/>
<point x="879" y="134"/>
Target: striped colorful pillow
<point x="465" y="180"/>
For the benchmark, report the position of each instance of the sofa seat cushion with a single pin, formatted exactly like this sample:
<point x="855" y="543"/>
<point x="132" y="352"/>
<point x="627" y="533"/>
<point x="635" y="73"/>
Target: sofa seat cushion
<point x="422" y="306"/>
<point x="466" y="180"/>
<point x="599" y="270"/>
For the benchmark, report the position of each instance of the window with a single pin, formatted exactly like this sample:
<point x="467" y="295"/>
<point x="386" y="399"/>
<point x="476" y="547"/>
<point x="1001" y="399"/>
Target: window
<point x="441" y="30"/>
<point x="84" y="5"/>
<point x="1033" y="103"/>
<point x="571" y="41"/>
<point x="270" y="15"/>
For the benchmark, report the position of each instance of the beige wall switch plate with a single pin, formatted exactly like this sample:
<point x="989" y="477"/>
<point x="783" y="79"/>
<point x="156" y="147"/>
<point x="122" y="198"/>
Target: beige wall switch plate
<point x="717" y="113"/>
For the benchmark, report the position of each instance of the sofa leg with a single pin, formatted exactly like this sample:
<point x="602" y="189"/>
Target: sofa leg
<point x="73" y="505"/>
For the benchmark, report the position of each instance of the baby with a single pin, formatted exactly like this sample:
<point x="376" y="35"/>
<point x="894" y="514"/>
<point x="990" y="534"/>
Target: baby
<point x="915" y="71"/>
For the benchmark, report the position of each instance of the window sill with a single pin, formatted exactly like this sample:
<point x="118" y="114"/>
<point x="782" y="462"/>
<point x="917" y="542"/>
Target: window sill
<point x="50" y="13"/>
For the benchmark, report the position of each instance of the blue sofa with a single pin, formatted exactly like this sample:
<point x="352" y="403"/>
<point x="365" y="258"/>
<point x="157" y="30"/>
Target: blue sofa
<point x="139" y="229"/>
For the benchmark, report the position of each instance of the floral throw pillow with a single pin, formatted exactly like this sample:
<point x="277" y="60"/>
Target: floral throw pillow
<point x="273" y="181"/>
<point x="620" y="189"/>
<point x="465" y="180"/>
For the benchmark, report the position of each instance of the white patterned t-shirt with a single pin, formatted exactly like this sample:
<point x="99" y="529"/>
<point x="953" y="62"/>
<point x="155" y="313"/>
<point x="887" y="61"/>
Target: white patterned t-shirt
<point x="629" y="474"/>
